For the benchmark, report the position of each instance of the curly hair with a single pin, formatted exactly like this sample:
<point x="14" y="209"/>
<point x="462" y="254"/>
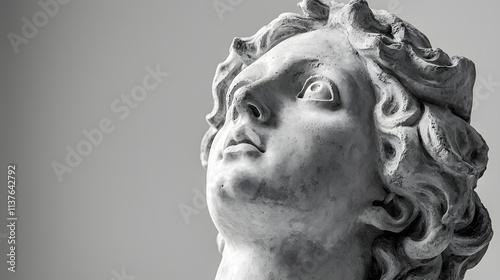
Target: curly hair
<point x="430" y="156"/>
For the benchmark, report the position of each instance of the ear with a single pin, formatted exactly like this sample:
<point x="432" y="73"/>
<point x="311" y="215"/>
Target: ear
<point x="394" y="214"/>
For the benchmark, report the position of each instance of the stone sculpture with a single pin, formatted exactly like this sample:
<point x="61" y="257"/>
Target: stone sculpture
<point x="340" y="147"/>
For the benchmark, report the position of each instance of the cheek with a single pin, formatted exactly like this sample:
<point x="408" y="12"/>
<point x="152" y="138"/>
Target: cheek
<point x="314" y="143"/>
<point x="217" y="145"/>
<point x="303" y="162"/>
<point x="339" y="149"/>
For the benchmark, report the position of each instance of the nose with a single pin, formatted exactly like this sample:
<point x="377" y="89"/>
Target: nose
<point x="247" y="106"/>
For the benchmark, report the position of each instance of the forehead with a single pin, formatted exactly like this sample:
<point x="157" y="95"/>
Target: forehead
<point x="325" y="52"/>
<point x="328" y="47"/>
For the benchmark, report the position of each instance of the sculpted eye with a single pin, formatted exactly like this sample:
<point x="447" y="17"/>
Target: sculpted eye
<point x="318" y="88"/>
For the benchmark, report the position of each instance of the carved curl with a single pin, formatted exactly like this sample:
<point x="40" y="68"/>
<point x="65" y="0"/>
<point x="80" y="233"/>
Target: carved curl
<point x="431" y="158"/>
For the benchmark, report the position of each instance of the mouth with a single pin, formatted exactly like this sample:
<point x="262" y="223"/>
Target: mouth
<point x="243" y="140"/>
<point x="242" y="148"/>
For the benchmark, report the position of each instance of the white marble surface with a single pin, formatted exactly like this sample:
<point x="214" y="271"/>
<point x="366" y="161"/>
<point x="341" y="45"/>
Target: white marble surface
<point x="347" y="139"/>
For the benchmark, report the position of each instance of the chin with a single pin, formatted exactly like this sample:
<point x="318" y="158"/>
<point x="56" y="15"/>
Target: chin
<point x="236" y="184"/>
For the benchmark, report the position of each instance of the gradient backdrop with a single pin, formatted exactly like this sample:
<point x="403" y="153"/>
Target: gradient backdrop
<point x="117" y="215"/>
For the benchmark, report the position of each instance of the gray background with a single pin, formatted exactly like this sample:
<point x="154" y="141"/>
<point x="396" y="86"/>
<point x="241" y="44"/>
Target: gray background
<point x="117" y="213"/>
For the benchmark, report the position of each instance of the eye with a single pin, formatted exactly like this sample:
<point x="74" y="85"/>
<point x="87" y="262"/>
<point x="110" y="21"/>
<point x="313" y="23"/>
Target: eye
<point x="318" y="88"/>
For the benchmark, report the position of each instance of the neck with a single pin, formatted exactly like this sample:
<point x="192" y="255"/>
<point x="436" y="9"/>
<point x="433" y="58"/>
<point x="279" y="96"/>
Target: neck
<point x="296" y="258"/>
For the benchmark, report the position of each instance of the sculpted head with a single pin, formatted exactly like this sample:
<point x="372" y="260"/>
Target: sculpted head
<point x="344" y="126"/>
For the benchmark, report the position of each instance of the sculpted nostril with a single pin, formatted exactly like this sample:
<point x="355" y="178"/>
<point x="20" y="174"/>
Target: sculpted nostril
<point x="255" y="111"/>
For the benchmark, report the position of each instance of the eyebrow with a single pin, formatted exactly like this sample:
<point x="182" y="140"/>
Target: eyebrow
<point x="238" y="85"/>
<point x="300" y="64"/>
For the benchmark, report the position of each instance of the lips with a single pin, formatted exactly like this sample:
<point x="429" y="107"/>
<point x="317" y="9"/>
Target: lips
<point x="243" y="139"/>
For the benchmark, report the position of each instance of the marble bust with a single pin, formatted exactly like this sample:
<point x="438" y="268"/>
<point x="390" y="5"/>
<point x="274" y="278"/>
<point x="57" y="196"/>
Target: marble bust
<point x="340" y="147"/>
